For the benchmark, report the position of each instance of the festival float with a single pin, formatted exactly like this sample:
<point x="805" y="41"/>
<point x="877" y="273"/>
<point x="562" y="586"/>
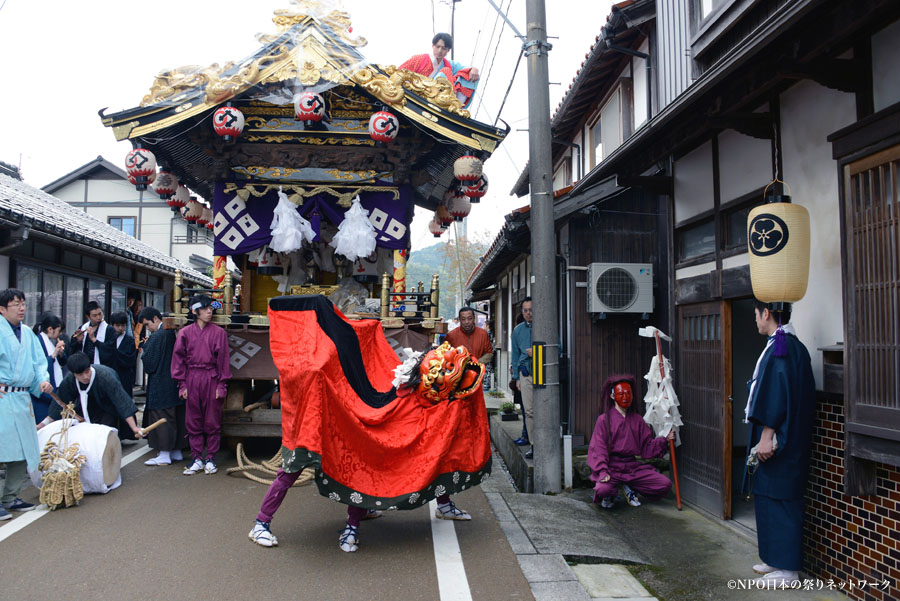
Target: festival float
<point x="306" y="161"/>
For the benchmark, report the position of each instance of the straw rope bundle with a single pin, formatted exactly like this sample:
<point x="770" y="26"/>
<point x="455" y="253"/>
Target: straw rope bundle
<point x="61" y="466"/>
<point x="269" y="467"/>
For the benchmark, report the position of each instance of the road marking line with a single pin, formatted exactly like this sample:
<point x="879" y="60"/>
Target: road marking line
<point x="452" y="582"/>
<point x="34" y="515"/>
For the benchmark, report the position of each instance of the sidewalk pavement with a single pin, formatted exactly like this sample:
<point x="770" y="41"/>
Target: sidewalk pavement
<point x="571" y="550"/>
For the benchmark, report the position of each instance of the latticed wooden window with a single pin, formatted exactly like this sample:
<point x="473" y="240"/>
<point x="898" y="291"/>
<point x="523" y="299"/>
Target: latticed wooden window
<point x="872" y="246"/>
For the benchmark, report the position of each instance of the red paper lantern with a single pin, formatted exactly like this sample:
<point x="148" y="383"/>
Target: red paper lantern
<point x="140" y="165"/>
<point x="181" y="198"/>
<point x="228" y="122"/>
<point x="194" y="211"/>
<point x="435" y="227"/>
<point x="383" y="126"/>
<point x="467" y="168"/>
<point x="135" y="181"/>
<point x="459" y="206"/>
<point x="165" y="185"/>
<point x="443" y="216"/>
<point x="205" y="216"/>
<point x="309" y="106"/>
<point x="476" y="189"/>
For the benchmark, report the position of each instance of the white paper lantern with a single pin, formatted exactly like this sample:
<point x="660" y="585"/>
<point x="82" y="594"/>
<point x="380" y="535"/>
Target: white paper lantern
<point x="467" y="168"/>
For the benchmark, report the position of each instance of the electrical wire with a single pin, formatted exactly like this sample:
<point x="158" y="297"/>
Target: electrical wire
<point x="509" y="87"/>
<point x="496" y="48"/>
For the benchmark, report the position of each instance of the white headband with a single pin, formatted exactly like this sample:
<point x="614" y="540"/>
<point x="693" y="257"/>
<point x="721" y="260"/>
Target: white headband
<point x="196" y="306"/>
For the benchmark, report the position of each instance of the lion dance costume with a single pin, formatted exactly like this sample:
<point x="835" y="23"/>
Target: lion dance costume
<point x="374" y="446"/>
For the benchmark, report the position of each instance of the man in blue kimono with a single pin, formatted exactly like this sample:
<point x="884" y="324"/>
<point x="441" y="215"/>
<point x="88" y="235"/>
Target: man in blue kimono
<point x="23" y="373"/>
<point x="781" y="410"/>
<point x="121" y="351"/>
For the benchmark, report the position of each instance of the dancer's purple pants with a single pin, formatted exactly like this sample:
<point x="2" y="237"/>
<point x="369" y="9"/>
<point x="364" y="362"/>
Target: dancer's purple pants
<point x="203" y="414"/>
<point x="648" y="482"/>
<point x="284" y="480"/>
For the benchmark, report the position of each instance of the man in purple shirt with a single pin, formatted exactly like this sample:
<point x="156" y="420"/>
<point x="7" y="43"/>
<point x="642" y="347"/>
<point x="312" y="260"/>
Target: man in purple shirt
<point x="200" y="365"/>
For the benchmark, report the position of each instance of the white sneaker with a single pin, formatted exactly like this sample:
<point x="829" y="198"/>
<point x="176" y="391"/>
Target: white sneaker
<point x="161" y="459"/>
<point x="451" y="512"/>
<point x="176" y="455"/>
<point x="193" y="468"/>
<point x="763" y="568"/>
<point x="632" y="497"/>
<point x="779" y="579"/>
<point x="349" y="539"/>
<point x="210" y="467"/>
<point x="607" y="502"/>
<point x="261" y="535"/>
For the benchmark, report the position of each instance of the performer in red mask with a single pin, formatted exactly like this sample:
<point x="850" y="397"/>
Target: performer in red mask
<point x="619" y="435"/>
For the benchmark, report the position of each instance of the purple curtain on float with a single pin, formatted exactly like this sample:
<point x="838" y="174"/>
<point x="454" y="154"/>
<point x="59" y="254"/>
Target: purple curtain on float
<point x="244" y="226"/>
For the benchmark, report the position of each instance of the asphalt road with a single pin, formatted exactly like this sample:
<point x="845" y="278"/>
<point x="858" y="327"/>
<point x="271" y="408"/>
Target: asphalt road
<point x="163" y="535"/>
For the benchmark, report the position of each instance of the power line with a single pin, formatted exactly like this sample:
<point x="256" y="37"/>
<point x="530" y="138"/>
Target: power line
<point x="496" y="48"/>
<point x="511" y="80"/>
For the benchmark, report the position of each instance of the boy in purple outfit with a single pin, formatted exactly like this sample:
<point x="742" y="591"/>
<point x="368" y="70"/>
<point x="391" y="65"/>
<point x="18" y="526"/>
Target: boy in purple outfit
<point x="619" y="435"/>
<point x="201" y="365"/>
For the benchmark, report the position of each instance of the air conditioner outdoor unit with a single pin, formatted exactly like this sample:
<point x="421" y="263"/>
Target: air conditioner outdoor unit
<point x="620" y="288"/>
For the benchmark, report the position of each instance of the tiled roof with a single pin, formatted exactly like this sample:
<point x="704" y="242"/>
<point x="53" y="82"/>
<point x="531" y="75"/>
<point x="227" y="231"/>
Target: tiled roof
<point x="24" y="204"/>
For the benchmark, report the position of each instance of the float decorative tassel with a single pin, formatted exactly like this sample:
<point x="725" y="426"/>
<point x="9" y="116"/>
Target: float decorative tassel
<point x="356" y="234"/>
<point x="289" y="228"/>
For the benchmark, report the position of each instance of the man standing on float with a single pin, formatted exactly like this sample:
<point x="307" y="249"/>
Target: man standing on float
<point x="463" y="79"/>
<point x="201" y="366"/>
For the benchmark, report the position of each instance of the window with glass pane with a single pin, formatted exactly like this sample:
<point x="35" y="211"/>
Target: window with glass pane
<point x="28" y="280"/>
<point x="697" y="240"/>
<point x="53" y="293"/>
<point x="125" y="224"/>
<point x="117" y="298"/>
<point x="596" y="145"/>
<point x="74" y="303"/>
<point x="97" y="292"/>
<point x="736" y="228"/>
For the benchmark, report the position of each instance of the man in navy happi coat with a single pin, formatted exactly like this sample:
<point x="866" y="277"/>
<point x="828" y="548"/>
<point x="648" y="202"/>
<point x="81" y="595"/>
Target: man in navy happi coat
<point x="781" y="409"/>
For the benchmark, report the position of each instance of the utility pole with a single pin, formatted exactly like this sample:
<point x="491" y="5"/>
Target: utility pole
<point x="546" y="438"/>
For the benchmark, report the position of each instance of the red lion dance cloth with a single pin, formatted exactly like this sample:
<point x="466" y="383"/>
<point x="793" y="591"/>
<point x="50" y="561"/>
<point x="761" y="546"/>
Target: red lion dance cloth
<point x="373" y="446"/>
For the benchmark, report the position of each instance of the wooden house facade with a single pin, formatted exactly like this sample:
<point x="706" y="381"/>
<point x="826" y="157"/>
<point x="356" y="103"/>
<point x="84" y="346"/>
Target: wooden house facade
<point x="800" y="91"/>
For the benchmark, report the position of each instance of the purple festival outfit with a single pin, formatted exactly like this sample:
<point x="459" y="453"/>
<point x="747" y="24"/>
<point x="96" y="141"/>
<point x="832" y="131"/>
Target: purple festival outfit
<point x="200" y="364"/>
<point x="612" y="452"/>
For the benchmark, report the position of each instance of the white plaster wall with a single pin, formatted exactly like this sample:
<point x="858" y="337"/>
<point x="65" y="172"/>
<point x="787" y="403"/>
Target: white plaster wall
<point x="4" y="271"/>
<point x="886" y="66"/>
<point x="611" y="123"/>
<point x="694" y="183"/>
<point x="116" y="190"/>
<point x="639" y="69"/>
<point x="695" y="270"/>
<point x="809" y="113"/>
<point x="736" y="261"/>
<point x="71" y="192"/>
<point x="745" y="164"/>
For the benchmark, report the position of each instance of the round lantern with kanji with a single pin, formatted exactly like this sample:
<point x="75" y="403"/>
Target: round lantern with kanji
<point x="180" y="199"/>
<point x="442" y="215"/>
<point x="193" y="212"/>
<point x="467" y="168"/>
<point x="383" y="126"/>
<point x="459" y="206"/>
<point x="476" y="189"/>
<point x="136" y="180"/>
<point x="228" y="122"/>
<point x="140" y="164"/>
<point x="435" y="227"/>
<point x="309" y="106"/>
<point x="205" y="216"/>
<point x="165" y="185"/>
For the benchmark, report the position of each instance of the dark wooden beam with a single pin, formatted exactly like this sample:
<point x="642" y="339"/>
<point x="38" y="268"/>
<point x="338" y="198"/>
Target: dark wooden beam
<point x="654" y="184"/>
<point x="842" y="74"/>
<point x="756" y="125"/>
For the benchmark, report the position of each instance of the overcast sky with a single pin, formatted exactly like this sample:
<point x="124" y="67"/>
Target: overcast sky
<point x="64" y="61"/>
